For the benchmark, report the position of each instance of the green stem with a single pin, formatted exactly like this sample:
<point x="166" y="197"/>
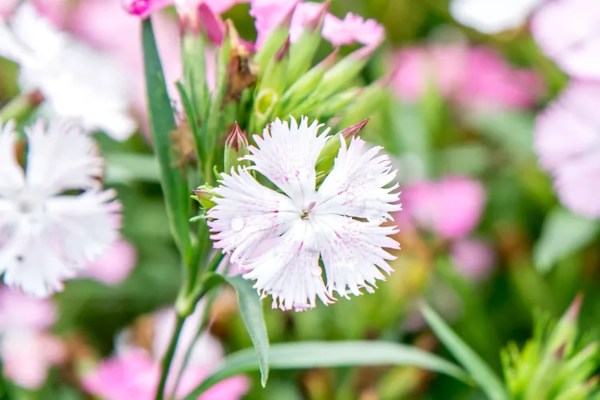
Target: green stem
<point x="21" y="106"/>
<point x="168" y="357"/>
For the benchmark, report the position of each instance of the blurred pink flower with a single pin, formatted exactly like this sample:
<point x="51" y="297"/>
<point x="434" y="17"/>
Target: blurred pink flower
<point x="473" y="258"/>
<point x="568" y="31"/>
<point x="19" y="311"/>
<point x="567" y="141"/>
<point x="450" y="207"/>
<point x="7" y="7"/>
<point x="26" y="349"/>
<point x="270" y="13"/>
<point x="133" y="372"/>
<point x="353" y="29"/>
<point x="116" y="264"/>
<point x="28" y="355"/>
<point x="473" y="77"/>
<point x="134" y="375"/>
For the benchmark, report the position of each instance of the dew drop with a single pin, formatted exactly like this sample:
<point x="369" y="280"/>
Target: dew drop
<point x="237" y="224"/>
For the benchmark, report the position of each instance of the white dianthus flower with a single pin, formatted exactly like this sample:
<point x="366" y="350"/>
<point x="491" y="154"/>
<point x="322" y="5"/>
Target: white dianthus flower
<point x="336" y="227"/>
<point x="77" y="81"/>
<point x="54" y="218"/>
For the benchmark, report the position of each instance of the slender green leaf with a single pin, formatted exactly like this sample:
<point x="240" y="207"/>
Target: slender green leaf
<point x="162" y="123"/>
<point x="305" y="355"/>
<point x="481" y="372"/>
<point x="252" y="315"/>
<point x="563" y="233"/>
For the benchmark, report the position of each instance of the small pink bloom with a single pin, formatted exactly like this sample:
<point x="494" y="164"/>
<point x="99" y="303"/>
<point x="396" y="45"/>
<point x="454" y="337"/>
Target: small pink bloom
<point x="26" y="350"/>
<point x="134" y="375"/>
<point x="473" y="258"/>
<point x="575" y="46"/>
<point x="143" y="8"/>
<point x="28" y="355"/>
<point x="268" y="14"/>
<point x="353" y="29"/>
<point x="115" y="265"/>
<point x="567" y="141"/>
<point x="450" y="207"/>
<point x="473" y="77"/>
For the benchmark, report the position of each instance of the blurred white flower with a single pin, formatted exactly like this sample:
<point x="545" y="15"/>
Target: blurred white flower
<point x="338" y="224"/>
<point x="54" y="218"/>
<point x="567" y="141"/>
<point x="489" y="16"/>
<point x="569" y="32"/>
<point x="76" y="81"/>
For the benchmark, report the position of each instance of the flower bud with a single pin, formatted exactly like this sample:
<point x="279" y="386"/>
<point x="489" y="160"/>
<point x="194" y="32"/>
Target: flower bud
<point x="332" y="146"/>
<point x="236" y="147"/>
<point x="204" y="195"/>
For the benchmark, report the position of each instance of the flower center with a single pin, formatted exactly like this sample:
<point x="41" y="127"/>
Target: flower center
<point x="30" y="207"/>
<point x="304" y="214"/>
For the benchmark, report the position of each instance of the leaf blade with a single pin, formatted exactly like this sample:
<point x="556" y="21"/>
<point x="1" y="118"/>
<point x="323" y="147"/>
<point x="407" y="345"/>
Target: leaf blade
<point x="563" y="233"/>
<point x="162" y="123"/>
<point x="330" y="354"/>
<point x="481" y="373"/>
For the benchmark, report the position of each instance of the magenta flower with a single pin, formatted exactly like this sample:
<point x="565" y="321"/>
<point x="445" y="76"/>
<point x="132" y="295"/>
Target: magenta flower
<point x="451" y="207"/>
<point x="567" y="30"/>
<point x="472" y="77"/>
<point x="567" y="141"/>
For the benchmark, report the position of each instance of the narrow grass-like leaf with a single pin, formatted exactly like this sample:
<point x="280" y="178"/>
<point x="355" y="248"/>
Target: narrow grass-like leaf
<point x="162" y="123"/>
<point x="306" y="355"/>
<point x="480" y="372"/>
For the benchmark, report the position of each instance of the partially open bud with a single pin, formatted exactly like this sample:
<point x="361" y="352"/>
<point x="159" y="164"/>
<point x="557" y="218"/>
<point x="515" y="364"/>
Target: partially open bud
<point x="204" y="195"/>
<point x="332" y="146"/>
<point x="565" y="333"/>
<point x="236" y="147"/>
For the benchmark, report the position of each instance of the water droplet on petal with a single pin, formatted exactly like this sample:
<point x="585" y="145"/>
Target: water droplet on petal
<point x="237" y="224"/>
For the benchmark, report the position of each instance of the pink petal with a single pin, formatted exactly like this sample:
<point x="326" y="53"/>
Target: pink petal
<point x="115" y="265"/>
<point x="473" y="258"/>
<point x="451" y="207"/>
